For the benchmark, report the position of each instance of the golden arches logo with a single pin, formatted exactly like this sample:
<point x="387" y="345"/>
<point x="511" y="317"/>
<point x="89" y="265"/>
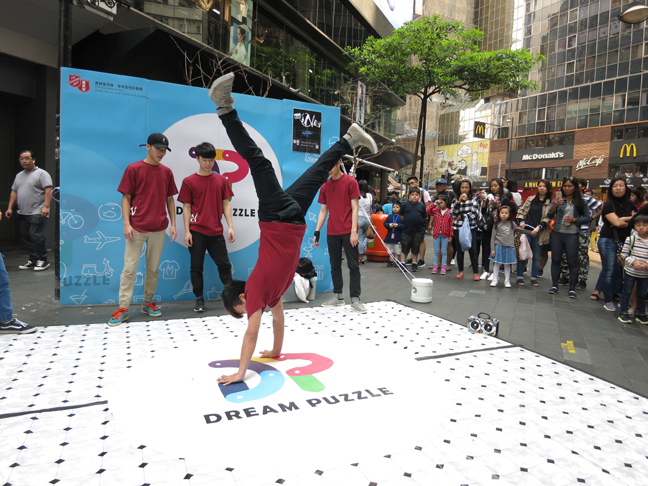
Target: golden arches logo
<point x="627" y="148"/>
<point x="480" y="129"/>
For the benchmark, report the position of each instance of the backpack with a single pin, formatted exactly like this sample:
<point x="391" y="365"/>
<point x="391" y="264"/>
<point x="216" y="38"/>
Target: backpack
<point x="306" y="269"/>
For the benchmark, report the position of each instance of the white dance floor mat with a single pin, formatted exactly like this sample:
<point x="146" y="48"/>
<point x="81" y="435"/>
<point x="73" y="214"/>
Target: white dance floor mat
<point x="392" y="397"/>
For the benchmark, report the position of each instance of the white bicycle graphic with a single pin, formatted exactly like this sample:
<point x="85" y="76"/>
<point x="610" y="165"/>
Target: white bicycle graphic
<point x="73" y="221"/>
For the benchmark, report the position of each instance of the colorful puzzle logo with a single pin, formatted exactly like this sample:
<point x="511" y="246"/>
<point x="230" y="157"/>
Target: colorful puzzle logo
<point x="272" y="380"/>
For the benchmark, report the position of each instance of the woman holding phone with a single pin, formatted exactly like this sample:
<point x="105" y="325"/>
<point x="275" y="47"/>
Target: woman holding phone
<point x="533" y="216"/>
<point x="570" y="211"/>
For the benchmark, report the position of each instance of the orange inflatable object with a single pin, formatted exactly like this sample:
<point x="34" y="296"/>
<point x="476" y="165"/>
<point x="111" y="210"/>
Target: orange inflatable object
<point x="376" y="251"/>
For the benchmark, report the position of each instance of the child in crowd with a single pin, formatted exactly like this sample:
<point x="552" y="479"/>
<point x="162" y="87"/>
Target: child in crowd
<point x="635" y="254"/>
<point x="413" y="214"/>
<point x="503" y="244"/>
<point x="441" y="225"/>
<point x="394" y="225"/>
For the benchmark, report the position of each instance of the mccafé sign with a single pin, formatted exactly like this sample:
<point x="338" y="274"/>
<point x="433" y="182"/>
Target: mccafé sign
<point x="627" y="149"/>
<point x="591" y="162"/>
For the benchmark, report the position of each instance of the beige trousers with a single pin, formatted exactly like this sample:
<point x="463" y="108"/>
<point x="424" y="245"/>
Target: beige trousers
<point x="154" y="244"/>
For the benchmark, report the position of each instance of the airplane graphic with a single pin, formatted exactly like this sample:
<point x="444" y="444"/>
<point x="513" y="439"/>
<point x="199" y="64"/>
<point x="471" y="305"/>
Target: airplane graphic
<point x="100" y="240"/>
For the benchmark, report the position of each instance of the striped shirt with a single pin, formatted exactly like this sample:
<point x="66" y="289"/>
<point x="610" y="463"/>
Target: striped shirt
<point x="469" y="209"/>
<point x="594" y="205"/>
<point x="442" y="222"/>
<point x="639" y="252"/>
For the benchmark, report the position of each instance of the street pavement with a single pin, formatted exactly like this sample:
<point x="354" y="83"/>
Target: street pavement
<point x="577" y="332"/>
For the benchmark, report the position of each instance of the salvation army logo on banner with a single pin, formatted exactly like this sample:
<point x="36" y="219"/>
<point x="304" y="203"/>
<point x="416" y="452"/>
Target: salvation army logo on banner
<point x="348" y="397"/>
<point x="76" y="81"/>
<point x="183" y="137"/>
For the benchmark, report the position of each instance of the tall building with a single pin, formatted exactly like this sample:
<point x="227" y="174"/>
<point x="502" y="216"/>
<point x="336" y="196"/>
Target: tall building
<point x="589" y="117"/>
<point x="285" y="49"/>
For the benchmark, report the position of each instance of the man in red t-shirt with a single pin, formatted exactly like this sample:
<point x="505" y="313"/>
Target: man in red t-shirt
<point x="148" y="189"/>
<point x="339" y="197"/>
<point x="206" y="196"/>
<point x="281" y="220"/>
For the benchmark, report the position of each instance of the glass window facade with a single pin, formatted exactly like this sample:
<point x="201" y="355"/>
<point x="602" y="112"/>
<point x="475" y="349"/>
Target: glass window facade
<point x="593" y="72"/>
<point x="263" y="40"/>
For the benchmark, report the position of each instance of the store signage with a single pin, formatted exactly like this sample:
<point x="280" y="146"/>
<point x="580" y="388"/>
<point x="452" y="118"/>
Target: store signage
<point x="628" y="148"/>
<point x="550" y="155"/>
<point x="591" y="162"/>
<point x="534" y="184"/>
<point x="480" y="130"/>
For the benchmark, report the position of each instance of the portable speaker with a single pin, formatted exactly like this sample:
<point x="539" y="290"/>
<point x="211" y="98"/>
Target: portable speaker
<point x="483" y="324"/>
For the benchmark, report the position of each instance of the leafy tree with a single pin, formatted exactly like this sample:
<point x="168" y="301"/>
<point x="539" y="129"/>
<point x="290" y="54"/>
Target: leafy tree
<point x="432" y="56"/>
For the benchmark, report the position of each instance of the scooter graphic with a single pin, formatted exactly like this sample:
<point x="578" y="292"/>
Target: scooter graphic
<point x="90" y="270"/>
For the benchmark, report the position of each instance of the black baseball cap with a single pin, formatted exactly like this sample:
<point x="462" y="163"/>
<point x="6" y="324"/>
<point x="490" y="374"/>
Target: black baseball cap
<point x="158" y="140"/>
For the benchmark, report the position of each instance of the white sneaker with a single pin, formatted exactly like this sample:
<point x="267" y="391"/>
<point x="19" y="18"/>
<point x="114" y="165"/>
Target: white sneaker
<point x="609" y="306"/>
<point x="507" y="284"/>
<point x="493" y="283"/>
<point x="333" y="302"/>
<point x="221" y="91"/>
<point x="490" y="276"/>
<point x="484" y="276"/>
<point x="358" y="137"/>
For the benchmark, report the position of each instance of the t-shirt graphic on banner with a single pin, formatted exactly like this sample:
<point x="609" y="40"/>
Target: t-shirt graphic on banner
<point x="91" y="223"/>
<point x="307" y="131"/>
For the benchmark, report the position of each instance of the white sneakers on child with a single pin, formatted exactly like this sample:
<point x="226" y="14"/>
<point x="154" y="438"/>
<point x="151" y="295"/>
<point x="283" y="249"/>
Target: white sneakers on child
<point x="493" y="283"/>
<point x="507" y="284"/>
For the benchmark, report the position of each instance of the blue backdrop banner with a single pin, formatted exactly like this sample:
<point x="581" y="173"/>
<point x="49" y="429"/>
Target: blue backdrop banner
<point x="104" y="120"/>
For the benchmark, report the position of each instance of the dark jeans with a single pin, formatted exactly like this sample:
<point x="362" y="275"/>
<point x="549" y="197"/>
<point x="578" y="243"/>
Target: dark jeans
<point x="32" y="230"/>
<point x="335" y="245"/>
<point x="459" y="255"/>
<point x="626" y="295"/>
<point x="215" y="246"/>
<point x="486" y="249"/>
<point x="276" y="204"/>
<point x="611" y="277"/>
<point x="568" y="243"/>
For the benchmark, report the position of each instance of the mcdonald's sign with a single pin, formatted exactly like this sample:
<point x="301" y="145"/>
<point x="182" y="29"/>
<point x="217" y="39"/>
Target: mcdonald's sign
<point x="480" y="130"/>
<point x="628" y="148"/>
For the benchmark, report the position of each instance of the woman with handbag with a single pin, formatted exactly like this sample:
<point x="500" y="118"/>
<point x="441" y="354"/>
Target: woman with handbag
<point x="570" y="212"/>
<point x="366" y="204"/>
<point x="617" y="212"/>
<point x="465" y="211"/>
<point x="533" y="216"/>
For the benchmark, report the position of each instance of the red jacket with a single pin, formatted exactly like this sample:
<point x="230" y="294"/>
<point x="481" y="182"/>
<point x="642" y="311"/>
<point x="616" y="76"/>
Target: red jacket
<point x="442" y="222"/>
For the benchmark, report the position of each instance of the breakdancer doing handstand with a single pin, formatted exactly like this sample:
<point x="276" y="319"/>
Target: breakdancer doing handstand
<point x="282" y="223"/>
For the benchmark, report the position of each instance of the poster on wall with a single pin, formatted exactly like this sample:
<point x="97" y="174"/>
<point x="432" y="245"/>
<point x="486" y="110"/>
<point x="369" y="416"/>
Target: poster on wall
<point x="469" y="159"/>
<point x="307" y="131"/>
<point x="99" y="148"/>
<point x="240" y="31"/>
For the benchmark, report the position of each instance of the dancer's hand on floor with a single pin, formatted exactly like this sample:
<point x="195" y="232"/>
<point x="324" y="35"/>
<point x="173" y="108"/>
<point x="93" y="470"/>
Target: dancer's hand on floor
<point x="229" y="379"/>
<point x="269" y="354"/>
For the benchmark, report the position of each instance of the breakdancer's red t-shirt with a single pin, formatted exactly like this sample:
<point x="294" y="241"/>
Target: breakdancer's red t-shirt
<point x="279" y="251"/>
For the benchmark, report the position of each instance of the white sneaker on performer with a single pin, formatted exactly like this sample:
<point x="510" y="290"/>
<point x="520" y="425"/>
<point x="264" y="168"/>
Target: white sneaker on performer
<point x="356" y="137"/>
<point x="484" y="276"/>
<point x="221" y="91"/>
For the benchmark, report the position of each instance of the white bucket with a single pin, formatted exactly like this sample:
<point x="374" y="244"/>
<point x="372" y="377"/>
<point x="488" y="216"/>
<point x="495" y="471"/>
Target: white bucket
<point x="422" y="290"/>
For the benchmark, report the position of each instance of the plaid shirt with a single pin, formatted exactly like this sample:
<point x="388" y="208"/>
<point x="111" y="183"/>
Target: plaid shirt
<point x="469" y="209"/>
